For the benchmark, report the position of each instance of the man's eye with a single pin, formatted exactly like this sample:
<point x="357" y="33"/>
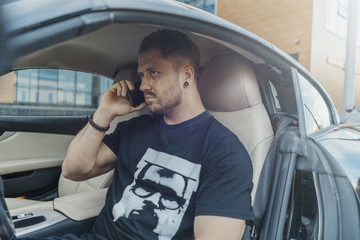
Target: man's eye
<point x="141" y="192"/>
<point x="154" y="73"/>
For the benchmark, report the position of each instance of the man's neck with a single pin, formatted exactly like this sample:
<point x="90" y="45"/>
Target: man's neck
<point x="190" y="107"/>
<point x="181" y="114"/>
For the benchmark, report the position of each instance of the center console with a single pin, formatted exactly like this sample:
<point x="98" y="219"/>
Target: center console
<point x="68" y="214"/>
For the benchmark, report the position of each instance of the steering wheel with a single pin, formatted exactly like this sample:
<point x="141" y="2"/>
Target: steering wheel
<point x="7" y="229"/>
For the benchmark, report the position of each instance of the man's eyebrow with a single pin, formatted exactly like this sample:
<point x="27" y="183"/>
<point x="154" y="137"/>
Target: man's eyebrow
<point x="146" y="70"/>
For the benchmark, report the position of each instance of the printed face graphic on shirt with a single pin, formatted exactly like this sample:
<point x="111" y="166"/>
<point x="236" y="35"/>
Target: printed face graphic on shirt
<point x="160" y="193"/>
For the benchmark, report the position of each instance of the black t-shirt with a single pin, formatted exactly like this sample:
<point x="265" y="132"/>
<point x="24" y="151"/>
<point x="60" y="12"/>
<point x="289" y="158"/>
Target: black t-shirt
<point x="166" y="175"/>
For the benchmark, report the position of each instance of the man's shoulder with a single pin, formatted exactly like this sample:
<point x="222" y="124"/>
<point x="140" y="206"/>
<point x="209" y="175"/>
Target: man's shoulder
<point x="221" y="137"/>
<point x="220" y="130"/>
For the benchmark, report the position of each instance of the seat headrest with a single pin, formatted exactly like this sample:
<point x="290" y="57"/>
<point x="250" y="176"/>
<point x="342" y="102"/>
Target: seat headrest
<point x="228" y="83"/>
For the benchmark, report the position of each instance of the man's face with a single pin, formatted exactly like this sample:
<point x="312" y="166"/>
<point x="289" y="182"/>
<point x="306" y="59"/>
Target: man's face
<point x="161" y="83"/>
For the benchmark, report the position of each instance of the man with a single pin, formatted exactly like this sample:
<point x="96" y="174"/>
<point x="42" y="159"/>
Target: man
<point x="179" y="174"/>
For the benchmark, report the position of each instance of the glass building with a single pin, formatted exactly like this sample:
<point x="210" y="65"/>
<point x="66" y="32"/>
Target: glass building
<point x="59" y="87"/>
<point x="207" y="5"/>
<point x="51" y="92"/>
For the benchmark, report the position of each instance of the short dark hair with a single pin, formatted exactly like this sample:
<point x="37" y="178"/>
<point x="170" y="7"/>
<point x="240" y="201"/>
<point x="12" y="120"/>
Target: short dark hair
<point x="173" y="44"/>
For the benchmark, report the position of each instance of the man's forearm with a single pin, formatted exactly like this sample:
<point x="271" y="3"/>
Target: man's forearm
<point x="82" y="155"/>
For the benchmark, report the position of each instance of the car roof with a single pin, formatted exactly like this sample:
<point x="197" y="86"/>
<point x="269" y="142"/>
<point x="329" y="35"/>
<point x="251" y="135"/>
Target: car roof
<point x="102" y="37"/>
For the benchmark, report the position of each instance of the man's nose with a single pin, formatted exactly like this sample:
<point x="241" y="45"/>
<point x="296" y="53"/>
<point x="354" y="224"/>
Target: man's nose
<point x="155" y="199"/>
<point x="145" y="84"/>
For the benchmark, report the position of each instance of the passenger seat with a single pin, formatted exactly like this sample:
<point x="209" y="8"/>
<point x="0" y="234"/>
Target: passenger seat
<point x="230" y="92"/>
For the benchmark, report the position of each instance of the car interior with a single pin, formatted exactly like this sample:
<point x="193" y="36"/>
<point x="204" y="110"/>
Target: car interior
<point x="237" y="87"/>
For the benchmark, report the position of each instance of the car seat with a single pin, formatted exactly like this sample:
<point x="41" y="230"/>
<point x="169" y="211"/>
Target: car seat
<point x="230" y="92"/>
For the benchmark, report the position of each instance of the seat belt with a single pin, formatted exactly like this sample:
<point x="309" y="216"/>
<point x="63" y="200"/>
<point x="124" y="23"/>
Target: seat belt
<point x="265" y="182"/>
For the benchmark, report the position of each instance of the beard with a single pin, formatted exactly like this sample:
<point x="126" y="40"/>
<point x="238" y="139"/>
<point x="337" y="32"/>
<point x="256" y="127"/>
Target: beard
<point x="166" y="101"/>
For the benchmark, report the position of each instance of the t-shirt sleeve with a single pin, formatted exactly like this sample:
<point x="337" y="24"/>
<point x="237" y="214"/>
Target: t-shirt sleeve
<point x="226" y="181"/>
<point x="112" y="140"/>
<point x="127" y="128"/>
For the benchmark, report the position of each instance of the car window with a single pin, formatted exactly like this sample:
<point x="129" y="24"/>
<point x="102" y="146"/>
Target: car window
<point x="317" y="114"/>
<point x="275" y="96"/>
<point x="50" y="92"/>
<point x="282" y="91"/>
<point x="302" y="220"/>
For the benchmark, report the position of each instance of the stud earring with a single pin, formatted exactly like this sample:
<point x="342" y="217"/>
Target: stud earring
<point x="186" y="84"/>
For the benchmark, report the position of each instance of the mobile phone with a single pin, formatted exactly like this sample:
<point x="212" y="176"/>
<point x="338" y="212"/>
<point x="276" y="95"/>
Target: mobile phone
<point x="136" y="97"/>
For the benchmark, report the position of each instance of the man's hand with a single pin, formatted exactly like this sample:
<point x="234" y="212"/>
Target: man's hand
<point x="114" y="101"/>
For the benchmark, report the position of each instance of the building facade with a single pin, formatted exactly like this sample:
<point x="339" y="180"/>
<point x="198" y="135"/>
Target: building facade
<point x="312" y="31"/>
<point x="50" y="92"/>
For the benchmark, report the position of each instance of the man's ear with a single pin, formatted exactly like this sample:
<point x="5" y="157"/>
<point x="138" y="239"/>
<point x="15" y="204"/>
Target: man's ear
<point x="189" y="73"/>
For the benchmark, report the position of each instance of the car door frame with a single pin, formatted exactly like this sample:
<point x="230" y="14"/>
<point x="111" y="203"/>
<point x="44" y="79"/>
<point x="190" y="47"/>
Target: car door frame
<point x="309" y="156"/>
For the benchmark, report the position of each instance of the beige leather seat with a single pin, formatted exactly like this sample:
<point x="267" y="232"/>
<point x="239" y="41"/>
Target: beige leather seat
<point x="230" y="92"/>
<point x="66" y="188"/>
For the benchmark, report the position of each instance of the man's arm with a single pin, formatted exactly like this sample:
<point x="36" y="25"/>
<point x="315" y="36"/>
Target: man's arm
<point x="87" y="155"/>
<point x="218" y="228"/>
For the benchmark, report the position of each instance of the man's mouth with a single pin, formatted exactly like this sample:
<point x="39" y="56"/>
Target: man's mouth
<point x="149" y="96"/>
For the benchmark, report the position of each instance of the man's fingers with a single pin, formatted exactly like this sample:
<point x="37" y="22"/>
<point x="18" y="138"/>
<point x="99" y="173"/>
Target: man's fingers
<point x="121" y="88"/>
<point x="124" y="88"/>
<point x="116" y="89"/>
<point x="129" y="84"/>
<point x="139" y="107"/>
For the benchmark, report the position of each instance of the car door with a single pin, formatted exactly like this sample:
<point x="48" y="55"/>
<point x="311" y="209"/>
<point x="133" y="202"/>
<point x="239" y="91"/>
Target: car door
<point x="40" y="115"/>
<point x="311" y="195"/>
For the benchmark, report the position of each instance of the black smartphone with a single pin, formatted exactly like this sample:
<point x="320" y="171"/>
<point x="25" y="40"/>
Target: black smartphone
<point x="136" y="96"/>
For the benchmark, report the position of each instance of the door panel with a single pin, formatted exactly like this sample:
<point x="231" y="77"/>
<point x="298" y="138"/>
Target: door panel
<point x="321" y="202"/>
<point x="37" y="184"/>
<point x="30" y="151"/>
<point x="30" y="163"/>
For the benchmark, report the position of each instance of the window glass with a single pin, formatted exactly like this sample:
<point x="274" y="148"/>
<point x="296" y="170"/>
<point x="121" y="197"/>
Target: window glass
<point x="66" y="92"/>
<point x="317" y="114"/>
<point x="48" y="83"/>
<point x="275" y="96"/>
<point x="207" y="5"/>
<point x="283" y="96"/>
<point x="336" y="20"/>
<point x="84" y="86"/>
<point x="302" y="218"/>
<point x="50" y="92"/>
